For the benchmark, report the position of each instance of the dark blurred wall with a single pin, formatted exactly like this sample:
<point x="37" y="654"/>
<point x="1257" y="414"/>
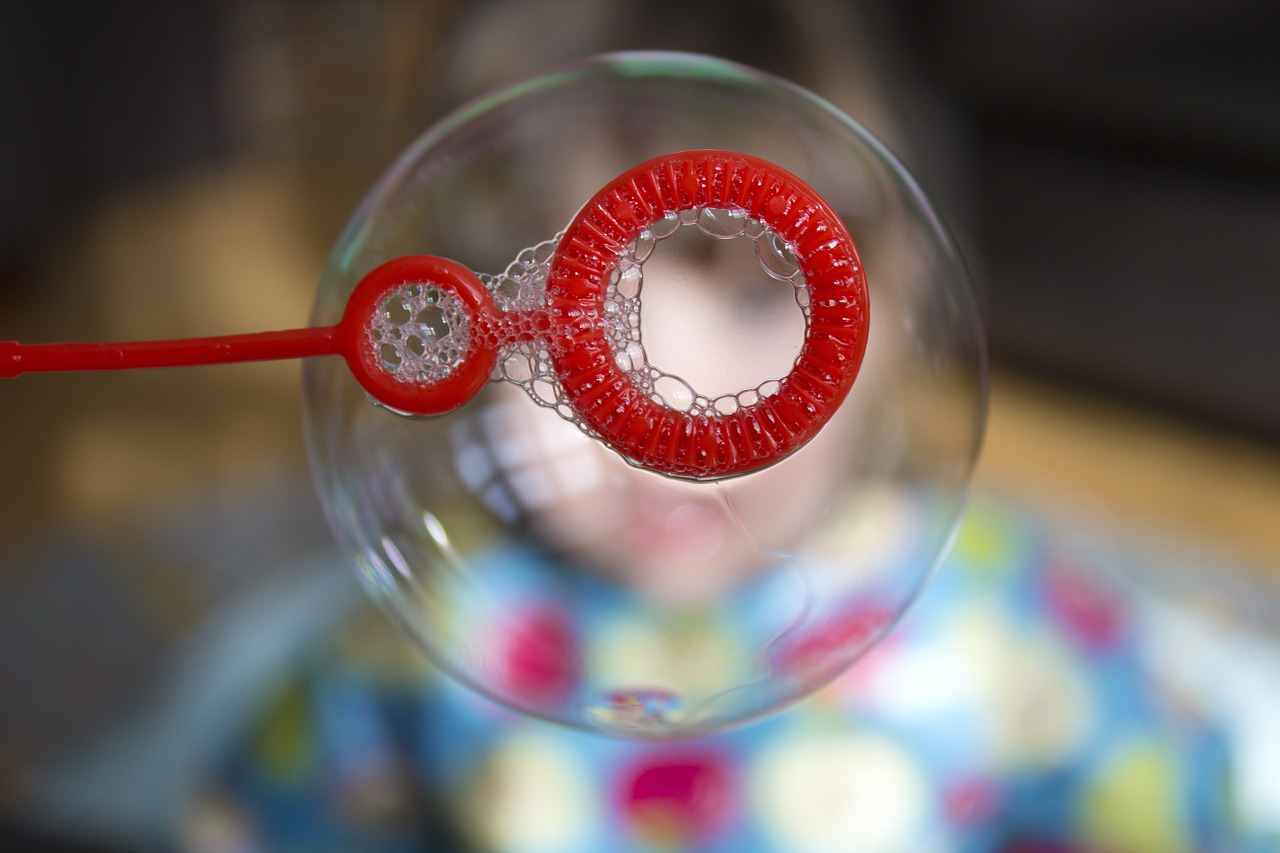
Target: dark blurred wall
<point x="1126" y="162"/>
<point x="94" y="96"/>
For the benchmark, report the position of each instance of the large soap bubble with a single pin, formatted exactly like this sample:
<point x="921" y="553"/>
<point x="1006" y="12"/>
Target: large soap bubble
<point x="541" y="567"/>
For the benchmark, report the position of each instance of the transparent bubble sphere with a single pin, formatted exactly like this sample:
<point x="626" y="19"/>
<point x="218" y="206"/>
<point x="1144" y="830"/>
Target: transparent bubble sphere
<point x="535" y="564"/>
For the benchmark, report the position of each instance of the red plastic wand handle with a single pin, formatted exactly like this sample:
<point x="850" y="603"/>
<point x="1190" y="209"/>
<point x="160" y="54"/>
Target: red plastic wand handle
<point x="16" y="358"/>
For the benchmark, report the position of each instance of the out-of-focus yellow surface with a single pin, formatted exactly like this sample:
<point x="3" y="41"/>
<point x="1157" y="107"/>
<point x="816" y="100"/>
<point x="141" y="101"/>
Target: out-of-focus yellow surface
<point x="1133" y="466"/>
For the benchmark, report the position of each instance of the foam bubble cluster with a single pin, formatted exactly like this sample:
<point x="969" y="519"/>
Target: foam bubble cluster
<point x="421" y="332"/>
<point x="521" y="289"/>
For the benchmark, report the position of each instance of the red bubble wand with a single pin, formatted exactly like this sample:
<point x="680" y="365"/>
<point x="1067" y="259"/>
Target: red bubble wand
<point x="423" y="334"/>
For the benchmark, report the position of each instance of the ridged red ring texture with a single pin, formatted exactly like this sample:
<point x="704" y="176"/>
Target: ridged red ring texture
<point x="712" y="445"/>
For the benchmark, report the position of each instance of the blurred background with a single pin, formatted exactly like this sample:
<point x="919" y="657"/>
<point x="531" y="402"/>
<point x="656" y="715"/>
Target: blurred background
<point x="1111" y="171"/>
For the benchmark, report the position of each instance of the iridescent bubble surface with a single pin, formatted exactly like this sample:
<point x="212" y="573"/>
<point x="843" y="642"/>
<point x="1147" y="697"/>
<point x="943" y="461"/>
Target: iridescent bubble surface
<point x="536" y="565"/>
